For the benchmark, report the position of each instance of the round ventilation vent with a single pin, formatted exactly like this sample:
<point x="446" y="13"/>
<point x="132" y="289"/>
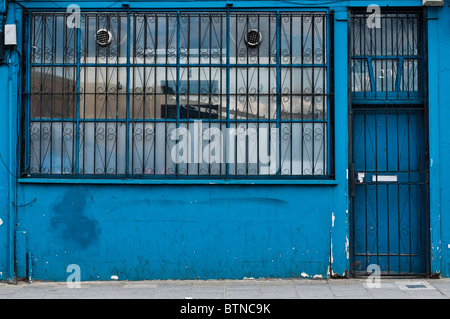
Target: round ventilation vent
<point x="103" y="37"/>
<point x="253" y="38"/>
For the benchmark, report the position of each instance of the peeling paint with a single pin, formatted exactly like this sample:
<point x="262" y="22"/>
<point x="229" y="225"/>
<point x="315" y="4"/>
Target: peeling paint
<point x="331" y="252"/>
<point x="1" y="221"/>
<point x="347" y="246"/>
<point x="330" y="271"/>
<point x="332" y="219"/>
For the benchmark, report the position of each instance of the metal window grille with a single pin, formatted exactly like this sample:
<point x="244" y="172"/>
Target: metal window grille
<point x="387" y="57"/>
<point x="116" y="96"/>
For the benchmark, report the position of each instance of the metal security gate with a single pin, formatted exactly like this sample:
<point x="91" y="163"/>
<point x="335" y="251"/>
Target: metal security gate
<point x="389" y="158"/>
<point x="389" y="192"/>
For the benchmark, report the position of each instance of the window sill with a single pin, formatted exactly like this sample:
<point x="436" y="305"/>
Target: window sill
<point x="173" y="182"/>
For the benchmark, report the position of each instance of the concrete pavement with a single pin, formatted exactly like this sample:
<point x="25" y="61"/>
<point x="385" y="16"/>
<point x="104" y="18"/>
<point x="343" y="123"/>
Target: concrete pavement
<point x="394" y="288"/>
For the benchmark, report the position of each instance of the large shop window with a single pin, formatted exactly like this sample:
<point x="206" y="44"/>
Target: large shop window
<point x="175" y="94"/>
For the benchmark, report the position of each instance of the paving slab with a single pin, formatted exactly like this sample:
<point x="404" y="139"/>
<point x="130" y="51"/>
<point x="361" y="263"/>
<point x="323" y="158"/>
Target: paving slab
<point x="265" y="288"/>
<point x="171" y="291"/>
<point x="237" y="291"/>
<point x="62" y="296"/>
<point x="136" y="293"/>
<point x="208" y="292"/>
<point x="314" y="291"/>
<point x="278" y="292"/>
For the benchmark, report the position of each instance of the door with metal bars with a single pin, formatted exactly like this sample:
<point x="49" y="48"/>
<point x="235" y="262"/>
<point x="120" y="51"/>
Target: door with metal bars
<point x="389" y="165"/>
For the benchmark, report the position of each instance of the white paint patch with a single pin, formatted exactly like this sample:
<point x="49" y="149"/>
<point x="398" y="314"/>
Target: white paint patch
<point x="114" y="277"/>
<point x="332" y="219"/>
<point x="331" y="251"/>
<point x="347" y="245"/>
<point x="331" y="257"/>
<point x="304" y="275"/>
<point x="317" y="277"/>
<point x="1" y="221"/>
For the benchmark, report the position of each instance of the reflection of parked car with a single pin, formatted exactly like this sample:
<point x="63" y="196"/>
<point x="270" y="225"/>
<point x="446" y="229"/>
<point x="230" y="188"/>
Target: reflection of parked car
<point x="207" y="111"/>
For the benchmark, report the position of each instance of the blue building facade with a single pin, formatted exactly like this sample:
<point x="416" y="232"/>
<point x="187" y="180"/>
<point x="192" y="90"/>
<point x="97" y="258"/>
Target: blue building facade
<point x="223" y="139"/>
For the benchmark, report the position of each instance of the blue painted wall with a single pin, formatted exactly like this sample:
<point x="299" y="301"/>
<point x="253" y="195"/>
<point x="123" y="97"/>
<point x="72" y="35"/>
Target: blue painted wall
<point x="8" y="148"/>
<point x="439" y="46"/>
<point x="181" y="232"/>
<point x="200" y="231"/>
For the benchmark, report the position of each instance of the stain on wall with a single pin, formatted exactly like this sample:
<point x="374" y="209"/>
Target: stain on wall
<point x="71" y="220"/>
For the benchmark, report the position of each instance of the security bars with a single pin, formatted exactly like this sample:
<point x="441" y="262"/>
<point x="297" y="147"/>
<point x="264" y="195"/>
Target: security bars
<point x="389" y="153"/>
<point x="124" y="93"/>
<point x="387" y="58"/>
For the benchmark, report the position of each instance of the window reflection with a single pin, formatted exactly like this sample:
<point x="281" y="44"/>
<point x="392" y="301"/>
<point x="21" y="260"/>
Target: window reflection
<point x="386" y="59"/>
<point x="92" y="103"/>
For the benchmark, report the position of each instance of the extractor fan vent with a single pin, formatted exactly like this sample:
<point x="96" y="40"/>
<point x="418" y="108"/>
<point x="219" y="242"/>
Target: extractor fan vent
<point x="103" y="37"/>
<point x="253" y="38"/>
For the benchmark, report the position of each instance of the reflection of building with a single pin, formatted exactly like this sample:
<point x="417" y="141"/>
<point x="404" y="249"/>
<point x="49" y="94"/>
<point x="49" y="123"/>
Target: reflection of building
<point x="94" y="101"/>
<point x="54" y="97"/>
